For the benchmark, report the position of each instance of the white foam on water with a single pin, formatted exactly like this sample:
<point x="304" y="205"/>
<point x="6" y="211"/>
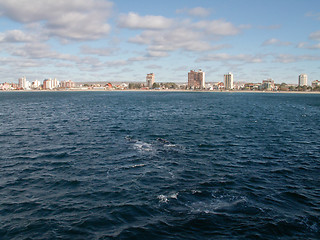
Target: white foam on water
<point x="174" y="195"/>
<point x="165" y="199"/>
<point x="137" y="165"/>
<point x="143" y="146"/>
<point x="213" y="206"/>
<point x="195" y="191"/>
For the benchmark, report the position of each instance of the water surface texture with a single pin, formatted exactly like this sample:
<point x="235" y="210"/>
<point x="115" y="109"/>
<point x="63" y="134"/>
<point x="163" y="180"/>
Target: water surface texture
<point x="159" y="165"/>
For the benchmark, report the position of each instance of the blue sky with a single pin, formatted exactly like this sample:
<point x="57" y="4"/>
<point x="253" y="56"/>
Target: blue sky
<point x="101" y="40"/>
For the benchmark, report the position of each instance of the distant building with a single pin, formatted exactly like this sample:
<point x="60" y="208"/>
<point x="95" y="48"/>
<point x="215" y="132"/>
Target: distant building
<point x="47" y="84"/>
<point x="196" y="80"/>
<point x="35" y="84"/>
<point x="228" y="81"/>
<point x="303" y="80"/>
<point x="67" y="84"/>
<point x="315" y="83"/>
<point x="5" y="86"/>
<point x="238" y="85"/>
<point x="268" y="85"/>
<point x="55" y="83"/>
<point x="22" y="83"/>
<point x="150" y="80"/>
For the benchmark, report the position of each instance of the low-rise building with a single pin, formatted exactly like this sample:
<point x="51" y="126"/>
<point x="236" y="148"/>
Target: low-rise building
<point x="68" y="84"/>
<point x="35" y="84"/>
<point x="268" y="85"/>
<point x="5" y="86"/>
<point x="315" y="84"/>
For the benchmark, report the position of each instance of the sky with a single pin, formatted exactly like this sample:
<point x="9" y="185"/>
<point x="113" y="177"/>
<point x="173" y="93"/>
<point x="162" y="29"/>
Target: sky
<point x="122" y="41"/>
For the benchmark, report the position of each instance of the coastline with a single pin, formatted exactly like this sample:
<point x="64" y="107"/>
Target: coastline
<point x="162" y="90"/>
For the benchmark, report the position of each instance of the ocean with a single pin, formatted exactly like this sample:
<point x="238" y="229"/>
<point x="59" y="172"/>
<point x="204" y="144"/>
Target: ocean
<point x="159" y="165"/>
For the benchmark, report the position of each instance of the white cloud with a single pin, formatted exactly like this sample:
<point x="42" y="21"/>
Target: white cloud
<point x="116" y="63"/>
<point x="152" y="53"/>
<point x="134" y="21"/>
<point x="315" y="46"/>
<point x="289" y="58"/>
<point x="315" y="36"/>
<point x="14" y="36"/>
<point x="307" y="46"/>
<point x="97" y="51"/>
<point x="195" y="12"/>
<point x="153" y="66"/>
<point x="186" y="36"/>
<point x="314" y="15"/>
<point x="138" y="59"/>
<point x="40" y="51"/>
<point x="270" y="27"/>
<point x="302" y="45"/>
<point x="73" y="19"/>
<point x="227" y="57"/>
<point x="276" y="42"/>
<point x="170" y="40"/>
<point x="217" y="27"/>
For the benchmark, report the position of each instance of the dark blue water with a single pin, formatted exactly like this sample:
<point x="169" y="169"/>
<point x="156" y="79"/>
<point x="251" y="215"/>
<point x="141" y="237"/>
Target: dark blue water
<point x="145" y="165"/>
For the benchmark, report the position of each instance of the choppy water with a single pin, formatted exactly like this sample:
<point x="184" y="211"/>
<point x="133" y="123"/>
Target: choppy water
<point x="132" y="165"/>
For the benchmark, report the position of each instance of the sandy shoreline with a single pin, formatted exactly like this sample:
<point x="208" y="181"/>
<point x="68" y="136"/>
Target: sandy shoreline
<point x="166" y="90"/>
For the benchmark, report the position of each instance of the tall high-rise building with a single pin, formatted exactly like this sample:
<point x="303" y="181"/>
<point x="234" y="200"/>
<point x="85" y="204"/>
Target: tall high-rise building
<point x="22" y="83"/>
<point x="55" y="83"/>
<point x="303" y="80"/>
<point x="47" y="84"/>
<point x="150" y="80"/>
<point x="196" y="79"/>
<point x="228" y="81"/>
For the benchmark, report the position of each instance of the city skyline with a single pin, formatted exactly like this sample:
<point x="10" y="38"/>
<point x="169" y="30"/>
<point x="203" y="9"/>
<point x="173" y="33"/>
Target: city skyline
<point x="99" y="40"/>
<point x="195" y="81"/>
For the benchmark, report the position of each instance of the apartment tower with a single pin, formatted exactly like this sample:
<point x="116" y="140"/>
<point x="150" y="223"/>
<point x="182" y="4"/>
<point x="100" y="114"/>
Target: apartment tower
<point x="150" y="80"/>
<point x="196" y="80"/>
<point x="303" y="80"/>
<point x="22" y="83"/>
<point x="228" y="81"/>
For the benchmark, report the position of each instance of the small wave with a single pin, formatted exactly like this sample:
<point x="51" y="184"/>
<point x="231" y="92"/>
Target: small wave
<point x="67" y="183"/>
<point x="312" y="224"/>
<point x="136" y="165"/>
<point x="140" y="145"/>
<point x="284" y="171"/>
<point x="143" y="146"/>
<point x="54" y="155"/>
<point x="218" y="203"/>
<point x="168" y="144"/>
<point x="162" y="140"/>
<point x="174" y="195"/>
<point x="299" y="197"/>
<point x="165" y="199"/>
<point x="196" y="191"/>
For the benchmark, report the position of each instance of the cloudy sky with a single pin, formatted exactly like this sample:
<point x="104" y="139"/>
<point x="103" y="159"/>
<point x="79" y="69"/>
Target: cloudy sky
<point x="123" y="40"/>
